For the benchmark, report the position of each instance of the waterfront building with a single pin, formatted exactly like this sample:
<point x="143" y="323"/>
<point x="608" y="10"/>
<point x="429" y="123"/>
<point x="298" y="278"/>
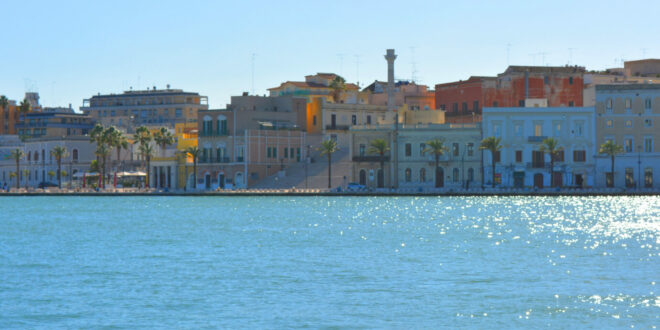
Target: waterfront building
<point x="54" y="122"/>
<point x="642" y="68"/>
<point x="8" y="143"/>
<point x="629" y="115"/>
<point x="561" y="86"/>
<point x="318" y="86"/>
<point x="151" y="107"/>
<point x="458" y="168"/>
<point x="520" y="163"/>
<point x="254" y="137"/>
<point x="417" y="97"/>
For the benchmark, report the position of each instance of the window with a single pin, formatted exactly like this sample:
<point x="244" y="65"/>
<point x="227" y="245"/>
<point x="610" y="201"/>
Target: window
<point x="422" y="147"/>
<point x="268" y="153"/>
<point x="628" y="103"/>
<point x="442" y="107"/>
<point x="495" y="104"/>
<point x="559" y="156"/>
<point x="496" y="157"/>
<point x="422" y="175"/>
<point x="354" y="120"/>
<point x="571" y="103"/>
<point x="314" y="120"/>
<point x="178" y="113"/>
<point x="609" y="123"/>
<point x="455" y="175"/>
<point x="648" y="144"/>
<point x="454" y="107"/>
<point x="647" y="103"/>
<point x="570" y="80"/>
<point x="537" y="159"/>
<point x="546" y="80"/>
<point x="74" y="155"/>
<point x="112" y="113"/>
<point x="497" y="129"/>
<point x="408" y="149"/>
<point x="408" y="175"/>
<point x="630" y="179"/>
<point x="518" y="156"/>
<point x="465" y="107"/>
<point x="470" y="149"/>
<point x="368" y="120"/>
<point x="608" y="103"/>
<point x="517" y="129"/>
<point x="274" y="152"/>
<point x="556" y="129"/>
<point x="538" y="130"/>
<point x="475" y="106"/>
<point x="628" y="144"/>
<point x="628" y="123"/>
<point x="648" y="122"/>
<point x="579" y="156"/>
<point x="454" y="149"/>
<point x="579" y="129"/>
<point x="470" y="174"/>
<point x="648" y="177"/>
<point x="521" y="103"/>
<point x="362" y="149"/>
<point x="286" y="153"/>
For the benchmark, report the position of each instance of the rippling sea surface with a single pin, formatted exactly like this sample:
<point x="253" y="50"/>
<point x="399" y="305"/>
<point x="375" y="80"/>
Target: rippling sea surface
<point x="374" y="262"/>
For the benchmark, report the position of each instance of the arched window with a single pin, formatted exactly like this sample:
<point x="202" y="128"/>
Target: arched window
<point x="222" y="125"/>
<point x="363" y="177"/>
<point x="455" y="175"/>
<point x="207" y="126"/>
<point x="422" y="175"/>
<point x="74" y="155"/>
<point x="36" y="156"/>
<point x="470" y="174"/>
<point x="29" y="156"/>
<point x="43" y="155"/>
<point x="408" y="175"/>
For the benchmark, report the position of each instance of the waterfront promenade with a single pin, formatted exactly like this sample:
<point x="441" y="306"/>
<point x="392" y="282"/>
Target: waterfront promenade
<point x="333" y="192"/>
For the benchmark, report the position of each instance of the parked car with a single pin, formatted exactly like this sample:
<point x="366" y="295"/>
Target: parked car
<point x="44" y="184"/>
<point x="354" y="186"/>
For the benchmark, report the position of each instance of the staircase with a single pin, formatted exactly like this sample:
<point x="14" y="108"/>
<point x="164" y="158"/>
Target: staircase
<point x="317" y="173"/>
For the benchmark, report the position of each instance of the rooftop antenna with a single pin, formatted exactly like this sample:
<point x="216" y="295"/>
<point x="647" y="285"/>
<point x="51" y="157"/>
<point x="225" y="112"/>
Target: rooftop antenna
<point x="413" y="77"/>
<point x="543" y="62"/>
<point x="570" y="55"/>
<point x="253" y="58"/>
<point x="357" y="68"/>
<point x="341" y="64"/>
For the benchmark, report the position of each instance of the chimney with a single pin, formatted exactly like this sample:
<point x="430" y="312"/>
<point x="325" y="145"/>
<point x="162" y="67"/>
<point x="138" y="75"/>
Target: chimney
<point x="390" y="57"/>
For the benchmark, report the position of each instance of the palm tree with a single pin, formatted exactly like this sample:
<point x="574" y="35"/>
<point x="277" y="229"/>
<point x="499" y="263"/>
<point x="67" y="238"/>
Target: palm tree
<point x="59" y="152"/>
<point x="194" y="153"/>
<point x="379" y="147"/>
<point x="328" y="147"/>
<point x="16" y="155"/>
<point x="13" y="175"/>
<point x="163" y="138"/>
<point x="101" y="153"/>
<point x="4" y="102"/>
<point x="148" y="151"/>
<point x="551" y="147"/>
<point x="611" y="149"/>
<point x="493" y="145"/>
<point x="142" y="136"/>
<point x="437" y="148"/>
<point x="338" y="86"/>
<point x="24" y="107"/>
<point x="26" y="174"/>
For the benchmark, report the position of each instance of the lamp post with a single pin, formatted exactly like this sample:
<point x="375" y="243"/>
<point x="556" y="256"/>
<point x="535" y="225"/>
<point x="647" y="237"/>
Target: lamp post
<point x="639" y="167"/>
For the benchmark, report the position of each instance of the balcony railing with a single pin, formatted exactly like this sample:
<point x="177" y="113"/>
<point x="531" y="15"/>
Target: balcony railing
<point x="370" y="158"/>
<point x="537" y="165"/>
<point x="338" y="127"/>
<point x="211" y="160"/>
<point x="536" y="139"/>
<point x="214" y="133"/>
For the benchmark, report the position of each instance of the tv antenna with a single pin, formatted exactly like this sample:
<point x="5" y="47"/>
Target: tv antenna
<point x="341" y="64"/>
<point x="413" y="76"/>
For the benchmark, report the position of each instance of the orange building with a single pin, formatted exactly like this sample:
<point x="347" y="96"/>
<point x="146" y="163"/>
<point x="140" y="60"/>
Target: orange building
<point x="9" y="117"/>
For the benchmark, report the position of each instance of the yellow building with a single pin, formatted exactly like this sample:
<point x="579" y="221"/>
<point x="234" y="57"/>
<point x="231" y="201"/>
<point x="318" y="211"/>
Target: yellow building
<point x="169" y="166"/>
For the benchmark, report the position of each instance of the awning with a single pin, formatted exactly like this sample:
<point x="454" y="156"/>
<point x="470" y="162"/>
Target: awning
<point x="81" y="174"/>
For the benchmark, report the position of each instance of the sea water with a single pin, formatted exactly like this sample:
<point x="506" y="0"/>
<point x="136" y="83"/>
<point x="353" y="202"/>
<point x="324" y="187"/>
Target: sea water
<point x="288" y="262"/>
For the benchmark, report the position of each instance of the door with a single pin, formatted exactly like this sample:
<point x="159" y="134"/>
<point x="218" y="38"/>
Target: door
<point x="207" y="181"/>
<point x="556" y="179"/>
<point x="333" y="121"/>
<point x="538" y="180"/>
<point x="221" y="180"/>
<point x="579" y="180"/>
<point x="381" y="179"/>
<point x="363" y="177"/>
<point x="518" y="179"/>
<point x="439" y="177"/>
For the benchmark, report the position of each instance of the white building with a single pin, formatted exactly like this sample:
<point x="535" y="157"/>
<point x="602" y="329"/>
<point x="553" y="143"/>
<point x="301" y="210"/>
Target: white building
<point x="520" y="163"/>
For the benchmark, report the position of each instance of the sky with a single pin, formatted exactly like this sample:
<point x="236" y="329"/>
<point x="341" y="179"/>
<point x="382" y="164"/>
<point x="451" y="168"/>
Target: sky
<point x="71" y="50"/>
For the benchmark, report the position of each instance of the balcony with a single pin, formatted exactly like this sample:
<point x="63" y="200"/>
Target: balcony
<point x="537" y="165"/>
<point x="536" y="139"/>
<point x="212" y="160"/>
<point x="370" y="159"/>
<point x="338" y="127"/>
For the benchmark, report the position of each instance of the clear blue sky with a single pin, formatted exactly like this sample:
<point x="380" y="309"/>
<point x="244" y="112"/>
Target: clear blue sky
<point x="71" y="50"/>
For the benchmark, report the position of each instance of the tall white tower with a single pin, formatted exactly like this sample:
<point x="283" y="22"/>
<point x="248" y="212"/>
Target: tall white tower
<point x="394" y="174"/>
<point x="390" y="57"/>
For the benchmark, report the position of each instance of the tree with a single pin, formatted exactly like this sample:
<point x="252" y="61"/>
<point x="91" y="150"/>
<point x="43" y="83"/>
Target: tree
<point x="16" y="155"/>
<point x="163" y="138"/>
<point x="24" y="107"/>
<point x="379" y="147"/>
<point x="4" y="102"/>
<point x="338" y="86"/>
<point x="26" y="174"/>
<point x="194" y="153"/>
<point x="611" y="149"/>
<point x="148" y="151"/>
<point x="13" y="175"/>
<point x="437" y="148"/>
<point x="551" y="147"/>
<point x="58" y="153"/>
<point x="142" y="136"/>
<point x="329" y="147"/>
<point x="51" y="174"/>
<point x="493" y="145"/>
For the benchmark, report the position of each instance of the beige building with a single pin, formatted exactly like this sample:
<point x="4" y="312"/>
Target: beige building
<point x="458" y="168"/>
<point x="629" y="115"/>
<point x="317" y="86"/>
<point x="151" y="107"/>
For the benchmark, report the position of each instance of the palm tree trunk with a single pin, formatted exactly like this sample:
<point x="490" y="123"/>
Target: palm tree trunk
<point x="329" y="171"/>
<point x="382" y="171"/>
<point x="612" y="172"/>
<point x="148" y="171"/>
<point x="18" y="174"/>
<point x="436" y="172"/>
<point x="194" y="173"/>
<point x="492" y="154"/>
<point x="552" y="171"/>
<point x="59" y="173"/>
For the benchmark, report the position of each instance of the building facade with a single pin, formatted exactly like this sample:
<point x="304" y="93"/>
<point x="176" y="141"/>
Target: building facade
<point x="628" y="115"/>
<point x="317" y="86"/>
<point x="521" y="163"/>
<point x="54" y="124"/>
<point x="151" y="107"/>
